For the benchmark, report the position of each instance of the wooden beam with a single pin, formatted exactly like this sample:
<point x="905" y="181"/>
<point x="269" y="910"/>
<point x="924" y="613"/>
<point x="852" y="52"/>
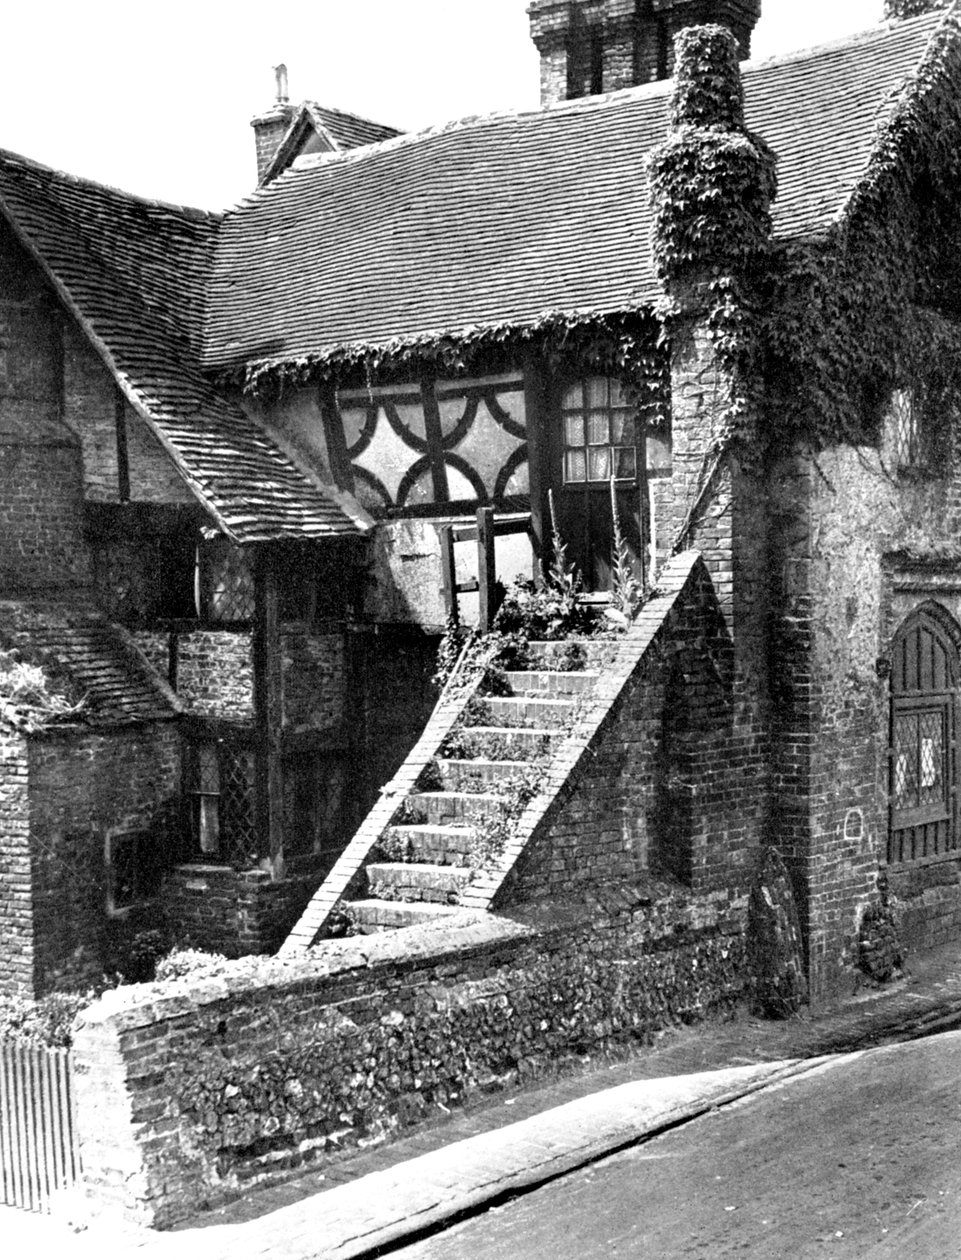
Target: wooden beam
<point x="268" y="707"/>
<point x="434" y="435"/>
<point x="123" y="454"/>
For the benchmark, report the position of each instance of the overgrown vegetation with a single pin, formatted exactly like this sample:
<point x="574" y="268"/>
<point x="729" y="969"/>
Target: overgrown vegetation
<point x="33" y="696"/>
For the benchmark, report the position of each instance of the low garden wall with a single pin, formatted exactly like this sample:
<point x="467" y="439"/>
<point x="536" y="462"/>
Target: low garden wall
<point x="190" y="1092"/>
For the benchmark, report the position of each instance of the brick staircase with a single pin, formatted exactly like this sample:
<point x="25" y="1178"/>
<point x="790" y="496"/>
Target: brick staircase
<point x="492" y="764"/>
<point x="486" y="779"/>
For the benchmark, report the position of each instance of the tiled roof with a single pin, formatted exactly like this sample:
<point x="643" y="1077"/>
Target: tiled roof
<point x="503" y="219"/>
<point x="350" y="130"/>
<point x="315" y="128"/>
<point x="135" y="272"/>
<point x="95" y="658"/>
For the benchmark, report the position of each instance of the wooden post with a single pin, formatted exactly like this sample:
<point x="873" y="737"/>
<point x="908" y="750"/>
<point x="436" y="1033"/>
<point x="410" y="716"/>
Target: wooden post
<point x="486" y="568"/>
<point x="123" y="457"/>
<point x="539" y="455"/>
<point x="449" y="570"/>
<point x="268" y="707"/>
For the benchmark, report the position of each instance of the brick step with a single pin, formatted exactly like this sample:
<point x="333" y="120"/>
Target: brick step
<point x="373" y="915"/>
<point x="551" y="682"/>
<point x="539" y="711"/>
<point x="416" y="881"/>
<point x="453" y="808"/>
<point x="575" y="655"/>
<point x="478" y="773"/>
<point x="515" y="741"/>
<point x="441" y="846"/>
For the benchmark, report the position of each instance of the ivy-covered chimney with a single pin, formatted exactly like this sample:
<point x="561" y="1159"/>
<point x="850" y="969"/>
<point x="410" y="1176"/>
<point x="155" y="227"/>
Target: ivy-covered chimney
<point x="591" y="46"/>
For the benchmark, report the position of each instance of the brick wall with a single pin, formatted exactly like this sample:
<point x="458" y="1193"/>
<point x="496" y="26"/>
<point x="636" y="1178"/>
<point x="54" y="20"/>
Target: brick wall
<point x="84" y="785"/>
<point x="390" y="702"/>
<point x="313" y="670"/>
<point x="16" y="894"/>
<point x="841" y="524"/>
<point x="215" y="673"/>
<point x="720" y="508"/>
<point x="233" y="912"/>
<point x="41" y="523"/>
<point x="191" y="1092"/>
<point x="642" y="799"/>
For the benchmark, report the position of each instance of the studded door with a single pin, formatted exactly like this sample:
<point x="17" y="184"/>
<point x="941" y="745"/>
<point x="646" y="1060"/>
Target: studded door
<point x="923" y="801"/>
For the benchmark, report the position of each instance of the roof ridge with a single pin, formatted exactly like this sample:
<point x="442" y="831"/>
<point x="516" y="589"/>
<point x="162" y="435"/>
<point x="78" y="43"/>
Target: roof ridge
<point x="599" y="101"/>
<point x="350" y="113"/>
<point x="880" y="30"/>
<point x="191" y="212"/>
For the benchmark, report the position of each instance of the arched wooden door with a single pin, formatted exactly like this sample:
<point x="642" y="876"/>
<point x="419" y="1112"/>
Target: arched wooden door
<point x="923" y="790"/>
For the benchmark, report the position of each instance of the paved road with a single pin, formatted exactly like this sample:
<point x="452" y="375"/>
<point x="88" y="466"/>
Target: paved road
<point x="857" y="1160"/>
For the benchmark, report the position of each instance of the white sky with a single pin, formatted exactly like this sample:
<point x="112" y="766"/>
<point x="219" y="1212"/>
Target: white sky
<point x="157" y="98"/>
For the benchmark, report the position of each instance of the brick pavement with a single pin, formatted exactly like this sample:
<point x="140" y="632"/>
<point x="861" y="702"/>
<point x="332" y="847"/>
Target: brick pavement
<point x="510" y="1141"/>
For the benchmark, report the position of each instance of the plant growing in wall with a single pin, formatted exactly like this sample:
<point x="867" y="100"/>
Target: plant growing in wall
<point x="626" y="591"/>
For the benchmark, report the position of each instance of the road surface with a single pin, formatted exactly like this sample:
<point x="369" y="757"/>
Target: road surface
<point x="856" y="1160"/>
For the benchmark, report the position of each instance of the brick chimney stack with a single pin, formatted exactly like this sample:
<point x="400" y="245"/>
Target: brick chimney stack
<point x="590" y="46"/>
<point x="271" y="126"/>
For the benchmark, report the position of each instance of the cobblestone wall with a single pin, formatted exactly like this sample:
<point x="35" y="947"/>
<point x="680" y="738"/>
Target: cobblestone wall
<point x="187" y="1093"/>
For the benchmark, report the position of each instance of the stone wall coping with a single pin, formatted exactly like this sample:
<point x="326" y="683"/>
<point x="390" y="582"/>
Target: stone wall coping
<point x="130" y="1007"/>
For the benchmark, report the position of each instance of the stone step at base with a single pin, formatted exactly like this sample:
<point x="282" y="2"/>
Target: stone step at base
<point x="546" y="712"/>
<point x="510" y="742"/>
<point x="440" y="809"/>
<point x="478" y="773"/>
<point x="373" y="915"/>
<point x="551" y="682"/>
<point x="416" y="881"/>
<point x="425" y="842"/>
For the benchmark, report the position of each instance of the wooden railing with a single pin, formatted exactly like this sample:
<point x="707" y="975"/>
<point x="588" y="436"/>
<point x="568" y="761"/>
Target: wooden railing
<point x="38" y="1143"/>
<point x="485" y="530"/>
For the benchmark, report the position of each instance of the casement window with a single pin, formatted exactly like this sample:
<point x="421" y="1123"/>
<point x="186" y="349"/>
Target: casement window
<point x="225" y="584"/>
<point x="923" y="805"/>
<point x="599" y="432"/>
<point x="221" y="802"/>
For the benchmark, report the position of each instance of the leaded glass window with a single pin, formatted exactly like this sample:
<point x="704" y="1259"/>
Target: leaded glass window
<point x="599" y="431"/>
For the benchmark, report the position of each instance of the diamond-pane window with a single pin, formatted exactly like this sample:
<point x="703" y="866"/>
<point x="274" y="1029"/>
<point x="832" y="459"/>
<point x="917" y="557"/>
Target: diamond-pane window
<point x="227" y="582"/>
<point x="222" y="813"/>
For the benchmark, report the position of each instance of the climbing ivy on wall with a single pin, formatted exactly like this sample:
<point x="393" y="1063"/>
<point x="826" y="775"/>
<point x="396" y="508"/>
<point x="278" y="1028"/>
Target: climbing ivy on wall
<point x="627" y="344"/>
<point x="869" y="308"/>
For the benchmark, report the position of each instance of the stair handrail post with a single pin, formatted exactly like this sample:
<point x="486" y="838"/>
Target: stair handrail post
<point x="486" y="568"/>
